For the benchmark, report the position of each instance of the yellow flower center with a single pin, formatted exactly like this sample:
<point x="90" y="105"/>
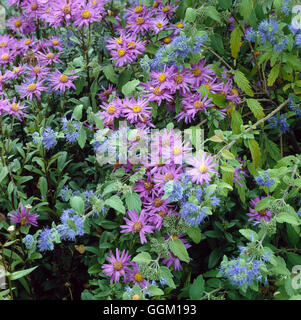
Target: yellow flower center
<point x="138" y="277"/>
<point x="156" y="4"/>
<point x="36" y="69"/>
<point x="138" y="9"/>
<point x="196" y="72"/>
<point x="117" y="265"/>
<point x="23" y="221"/>
<point x="165" y="9"/>
<point x="107" y="93"/>
<point x="262" y="212"/>
<point x="203" y="169"/>
<point x="64" y="78"/>
<point x="34" y="7"/>
<point x="28" y="41"/>
<point x="162" y="77"/>
<point x="166" y="40"/>
<point x="174" y="237"/>
<point x="17" y="23"/>
<point x="158" y="92"/>
<point x="177" y="151"/>
<point x="137" y="226"/>
<point x="139" y="20"/>
<point x="148" y="185"/>
<point x="180" y="25"/>
<point x="86" y="14"/>
<point x="208" y="86"/>
<point x="111" y="110"/>
<point x="136" y="297"/>
<point x="132" y="44"/>
<point x="66" y="9"/>
<point x="121" y="52"/>
<point x="119" y="41"/>
<point x="158" y="202"/>
<point x="32" y="87"/>
<point x="234" y="91"/>
<point x="14" y="107"/>
<point x="198" y="104"/>
<point x="178" y="78"/>
<point x="168" y="177"/>
<point x="3" y="44"/>
<point x="94" y="2"/>
<point x="5" y="57"/>
<point x="162" y="214"/>
<point x="17" y="69"/>
<point x="50" y="55"/>
<point x="136" y="109"/>
<point x="55" y="42"/>
<point x="224" y="93"/>
<point x="159" y="25"/>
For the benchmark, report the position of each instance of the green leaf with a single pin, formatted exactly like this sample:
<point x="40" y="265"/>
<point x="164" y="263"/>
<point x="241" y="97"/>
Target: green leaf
<point x="214" y="257"/>
<point x="3" y="173"/>
<point x="235" y="42"/>
<point x="178" y="249"/>
<point x="196" y="289"/>
<point x="249" y="234"/>
<point x="236" y="122"/>
<point x="115" y="203"/>
<point x="273" y="75"/>
<point x="110" y="73"/>
<point x="194" y="233"/>
<point x="78" y="204"/>
<point x="82" y="138"/>
<point x="133" y="202"/>
<point x="155" y="291"/>
<point x="213" y="13"/>
<point x="286" y="217"/>
<point x="143" y="257"/>
<point x="242" y="82"/>
<point x="130" y="87"/>
<point x="256" y="108"/>
<point x="246" y="8"/>
<point x="19" y="274"/>
<point x="190" y="15"/>
<point x="43" y="186"/>
<point x="78" y="112"/>
<point x="255" y="152"/>
<point x="228" y="155"/>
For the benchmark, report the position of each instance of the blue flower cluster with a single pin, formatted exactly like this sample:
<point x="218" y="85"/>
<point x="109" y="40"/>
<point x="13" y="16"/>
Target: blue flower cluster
<point x="195" y="202"/>
<point x="263" y="179"/>
<point x="29" y="241"/>
<point x="279" y="122"/>
<point x="71" y="129"/>
<point x="46" y="239"/>
<point x="267" y="30"/>
<point x="243" y="272"/>
<point x="72" y="225"/>
<point x="295" y="108"/>
<point x="49" y="138"/>
<point x="176" y="52"/>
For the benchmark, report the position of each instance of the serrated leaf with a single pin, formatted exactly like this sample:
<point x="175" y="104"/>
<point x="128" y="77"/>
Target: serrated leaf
<point x="242" y="82"/>
<point x="133" y="202"/>
<point x="115" y="203"/>
<point x="235" y="42"/>
<point x="256" y="108"/>
<point x="129" y="87"/>
<point x="249" y="234"/>
<point x="177" y="247"/>
<point x="110" y="73"/>
<point x="143" y="257"/>
<point x="196" y="289"/>
<point x="255" y="152"/>
<point x="78" y="204"/>
<point x="273" y="75"/>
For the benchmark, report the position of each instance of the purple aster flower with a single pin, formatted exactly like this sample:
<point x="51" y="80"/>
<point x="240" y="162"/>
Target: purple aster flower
<point x="24" y="217"/>
<point x="265" y="214"/>
<point x="118" y="265"/>
<point x="137" y="224"/>
<point x="60" y="81"/>
<point x="32" y="89"/>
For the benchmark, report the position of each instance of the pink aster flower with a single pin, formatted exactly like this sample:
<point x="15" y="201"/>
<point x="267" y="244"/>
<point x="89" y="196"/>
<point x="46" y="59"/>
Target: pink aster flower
<point x="153" y="93"/>
<point x="147" y="189"/>
<point x="122" y="57"/>
<point x="31" y="89"/>
<point x="118" y="265"/>
<point x="229" y="93"/>
<point x="111" y="112"/>
<point x="159" y="24"/>
<point x="136" y="12"/>
<point x="181" y="81"/>
<point x="62" y="10"/>
<point x="141" y="23"/>
<point x="201" y="74"/>
<point x="6" y="41"/>
<point x="202" y="167"/>
<point x="137" y="224"/>
<point x="106" y="93"/>
<point x="32" y="8"/>
<point x="17" y="23"/>
<point x="55" y="43"/>
<point x="167" y="9"/>
<point x="86" y="14"/>
<point x="134" y="275"/>
<point x="156" y="205"/>
<point x="24" y="217"/>
<point x="6" y="56"/>
<point x="15" y="109"/>
<point x="170" y="173"/>
<point x="256" y="216"/>
<point x="163" y="79"/>
<point x="38" y="71"/>
<point x="48" y="58"/>
<point x="136" y="110"/>
<point x="60" y="81"/>
<point x="177" y="28"/>
<point x="192" y="104"/>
